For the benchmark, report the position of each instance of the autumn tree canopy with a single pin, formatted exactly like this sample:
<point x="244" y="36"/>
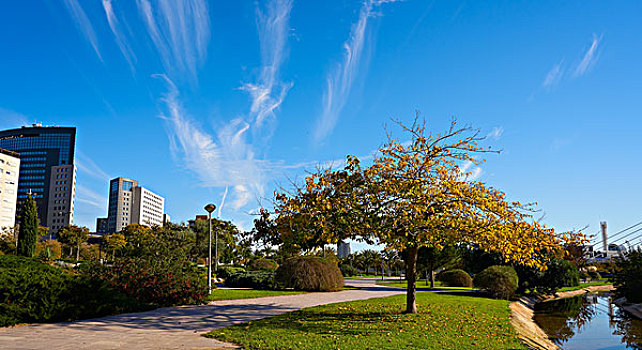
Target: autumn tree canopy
<point x="414" y="195"/>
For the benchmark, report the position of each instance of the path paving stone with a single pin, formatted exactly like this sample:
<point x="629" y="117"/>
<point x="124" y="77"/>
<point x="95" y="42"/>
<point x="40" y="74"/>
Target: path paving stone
<point x="174" y="327"/>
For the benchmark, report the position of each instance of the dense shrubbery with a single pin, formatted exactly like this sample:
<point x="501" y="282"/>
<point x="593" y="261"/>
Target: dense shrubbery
<point x="348" y="270"/>
<point x="560" y="273"/>
<point x="225" y="271"/>
<point x="263" y="265"/>
<point x="255" y="280"/>
<point x="594" y="275"/>
<point x="499" y="282"/>
<point x="455" y="278"/>
<point x="31" y="291"/>
<point x="310" y="274"/>
<point x="628" y="280"/>
<point x="161" y="285"/>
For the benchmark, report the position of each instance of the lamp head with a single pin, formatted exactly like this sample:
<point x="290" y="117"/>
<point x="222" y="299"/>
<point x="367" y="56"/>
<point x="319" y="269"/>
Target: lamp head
<point x="210" y="208"/>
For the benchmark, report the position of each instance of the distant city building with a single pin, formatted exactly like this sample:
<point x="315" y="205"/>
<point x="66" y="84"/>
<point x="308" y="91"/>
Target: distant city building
<point x="148" y="207"/>
<point x="47" y="170"/>
<point x="101" y="225"/>
<point x="343" y="249"/>
<point x="132" y="204"/>
<point x="9" y="167"/>
<point x="166" y="219"/>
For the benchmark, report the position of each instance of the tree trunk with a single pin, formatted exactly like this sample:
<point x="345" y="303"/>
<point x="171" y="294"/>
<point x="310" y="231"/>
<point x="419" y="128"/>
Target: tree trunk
<point x="411" y="276"/>
<point x="77" y="252"/>
<point x="432" y="277"/>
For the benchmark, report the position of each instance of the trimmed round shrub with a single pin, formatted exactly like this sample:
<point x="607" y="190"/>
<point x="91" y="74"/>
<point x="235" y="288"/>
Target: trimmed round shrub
<point x="309" y="273"/>
<point x="348" y="270"/>
<point x="263" y="265"/>
<point x="500" y="282"/>
<point x="455" y="278"/>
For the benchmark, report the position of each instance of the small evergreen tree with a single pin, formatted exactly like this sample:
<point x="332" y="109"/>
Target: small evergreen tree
<point x="28" y="232"/>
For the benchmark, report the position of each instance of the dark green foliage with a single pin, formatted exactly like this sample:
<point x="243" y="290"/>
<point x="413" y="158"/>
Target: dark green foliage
<point x="28" y="232"/>
<point x="594" y="275"/>
<point x="628" y="280"/>
<point x="455" y="278"/>
<point x="500" y="282"/>
<point x="560" y="273"/>
<point x="263" y="265"/>
<point x="309" y="273"/>
<point x="348" y="270"/>
<point x="225" y="271"/>
<point x="474" y="260"/>
<point x="31" y="291"/>
<point x="166" y="285"/>
<point x="254" y="280"/>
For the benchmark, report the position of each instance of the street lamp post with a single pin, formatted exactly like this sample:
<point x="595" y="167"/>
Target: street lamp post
<point x="210" y="208"/>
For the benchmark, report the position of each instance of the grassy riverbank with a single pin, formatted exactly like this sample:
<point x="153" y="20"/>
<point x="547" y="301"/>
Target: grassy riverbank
<point x="446" y="320"/>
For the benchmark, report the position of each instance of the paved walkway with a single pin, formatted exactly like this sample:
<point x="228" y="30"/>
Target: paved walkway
<point x="174" y="327"/>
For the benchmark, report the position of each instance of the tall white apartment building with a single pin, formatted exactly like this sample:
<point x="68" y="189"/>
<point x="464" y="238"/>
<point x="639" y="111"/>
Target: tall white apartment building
<point x="9" y="171"/>
<point x="132" y="204"/>
<point x="148" y="207"/>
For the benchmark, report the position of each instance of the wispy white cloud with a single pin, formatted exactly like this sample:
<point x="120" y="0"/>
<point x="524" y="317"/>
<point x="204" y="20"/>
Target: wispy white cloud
<point x="87" y="196"/>
<point x="83" y="24"/>
<point x="225" y="159"/>
<point x="268" y="92"/>
<point x="339" y="81"/>
<point x="496" y="133"/>
<point x="554" y="75"/>
<point x="220" y="206"/>
<point x="589" y="58"/>
<point x="11" y="119"/>
<point x="469" y="171"/>
<point x="180" y="31"/>
<point x="89" y="167"/>
<point x="119" y="36"/>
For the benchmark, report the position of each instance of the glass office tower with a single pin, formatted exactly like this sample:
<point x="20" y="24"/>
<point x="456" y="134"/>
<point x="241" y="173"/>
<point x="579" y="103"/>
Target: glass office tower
<point x="47" y="170"/>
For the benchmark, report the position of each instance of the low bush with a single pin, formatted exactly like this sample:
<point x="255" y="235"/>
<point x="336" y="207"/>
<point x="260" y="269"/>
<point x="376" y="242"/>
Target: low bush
<point x="159" y="285"/>
<point x="263" y="265"/>
<point x="348" y="270"/>
<point x="500" y="282"/>
<point x="225" y="271"/>
<point x="628" y="280"/>
<point x="560" y="274"/>
<point x="309" y="273"/>
<point x="455" y="278"/>
<point x="594" y="275"/>
<point x="254" y="280"/>
<point x="31" y="291"/>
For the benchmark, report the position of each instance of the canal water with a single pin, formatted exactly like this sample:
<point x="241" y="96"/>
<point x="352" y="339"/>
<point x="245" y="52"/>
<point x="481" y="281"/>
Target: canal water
<point x="588" y="322"/>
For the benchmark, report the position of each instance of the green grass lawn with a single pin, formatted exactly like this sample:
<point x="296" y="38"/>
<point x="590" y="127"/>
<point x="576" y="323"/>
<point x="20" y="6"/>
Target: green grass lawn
<point x="229" y="294"/>
<point x="584" y="285"/>
<point x="446" y="320"/>
<point x="361" y="276"/>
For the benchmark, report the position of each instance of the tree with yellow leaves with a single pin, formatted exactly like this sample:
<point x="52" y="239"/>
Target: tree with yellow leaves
<point x="415" y="195"/>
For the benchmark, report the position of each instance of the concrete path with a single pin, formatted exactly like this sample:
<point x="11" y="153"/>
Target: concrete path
<point x="174" y="327"/>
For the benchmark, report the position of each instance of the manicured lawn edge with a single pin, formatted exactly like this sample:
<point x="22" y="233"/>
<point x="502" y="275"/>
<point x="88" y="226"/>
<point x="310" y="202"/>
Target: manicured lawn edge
<point x="446" y="320"/>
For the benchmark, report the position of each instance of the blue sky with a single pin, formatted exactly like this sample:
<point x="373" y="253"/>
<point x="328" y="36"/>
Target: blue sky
<point x="223" y="101"/>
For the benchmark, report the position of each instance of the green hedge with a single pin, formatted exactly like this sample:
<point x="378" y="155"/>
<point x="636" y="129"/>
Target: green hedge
<point x="499" y="282"/>
<point x="263" y="265"/>
<point x="254" y="280"/>
<point x="225" y="271"/>
<point x="31" y="291"/>
<point x="455" y="278"/>
<point x="309" y="273"/>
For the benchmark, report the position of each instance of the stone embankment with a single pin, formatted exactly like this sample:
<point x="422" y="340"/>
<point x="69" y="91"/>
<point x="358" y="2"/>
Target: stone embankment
<point x="522" y="313"/>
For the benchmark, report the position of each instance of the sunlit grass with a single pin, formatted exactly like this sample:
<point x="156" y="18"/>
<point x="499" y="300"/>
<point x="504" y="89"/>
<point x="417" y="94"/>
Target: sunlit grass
<point x="446" y="320"/>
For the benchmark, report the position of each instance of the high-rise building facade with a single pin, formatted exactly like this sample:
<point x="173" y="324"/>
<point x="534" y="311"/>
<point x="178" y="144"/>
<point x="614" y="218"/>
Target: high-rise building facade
<point x="132" y="204"/>
<point x="101" y="225"/>
<point x="9" y="168"/>
<point x="121" y="198"/>
<point x="47" y="170"/>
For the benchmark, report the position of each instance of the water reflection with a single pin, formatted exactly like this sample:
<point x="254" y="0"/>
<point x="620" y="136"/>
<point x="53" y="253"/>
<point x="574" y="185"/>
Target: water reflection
<point x="590" y="321"/>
